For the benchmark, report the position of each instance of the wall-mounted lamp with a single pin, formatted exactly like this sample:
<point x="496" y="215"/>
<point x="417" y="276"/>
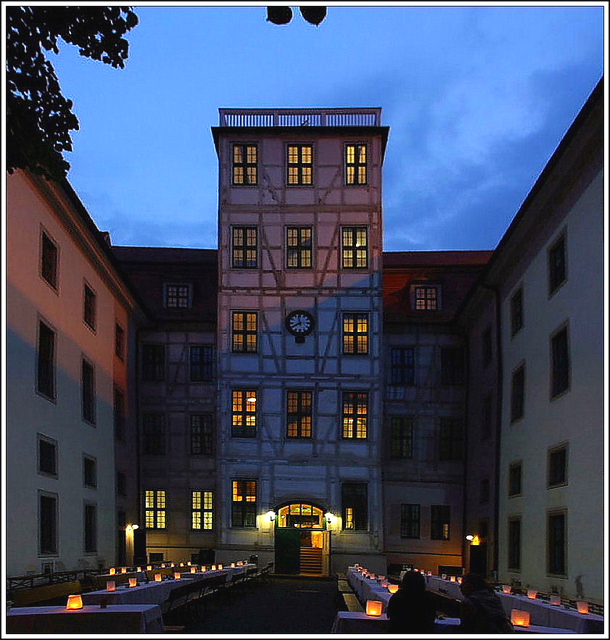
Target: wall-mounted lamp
<point x="330" y="518"/>
<point x="270" y="516"/>
<point x="132" y="527"/>
<point x="473" y="539"/>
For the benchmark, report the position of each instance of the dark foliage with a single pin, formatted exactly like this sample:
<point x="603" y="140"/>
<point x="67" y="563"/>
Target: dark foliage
<point x="39" y="117"/>
<point x="283" y="15"/>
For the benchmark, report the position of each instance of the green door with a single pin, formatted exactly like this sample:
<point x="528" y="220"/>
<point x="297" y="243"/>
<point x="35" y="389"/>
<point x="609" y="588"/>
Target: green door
<point x="287" y="550"/>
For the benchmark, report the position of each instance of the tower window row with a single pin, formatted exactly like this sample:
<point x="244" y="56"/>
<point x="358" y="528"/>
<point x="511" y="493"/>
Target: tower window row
<point x="299" y="251"/>
<point x="299" y="164"/>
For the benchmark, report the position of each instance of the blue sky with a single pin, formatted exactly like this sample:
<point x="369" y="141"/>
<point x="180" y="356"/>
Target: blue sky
<point x="477" y="98"/>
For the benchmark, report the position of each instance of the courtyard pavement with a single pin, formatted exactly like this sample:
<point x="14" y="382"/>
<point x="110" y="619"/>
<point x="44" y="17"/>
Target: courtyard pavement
<point x="284" y="605"/>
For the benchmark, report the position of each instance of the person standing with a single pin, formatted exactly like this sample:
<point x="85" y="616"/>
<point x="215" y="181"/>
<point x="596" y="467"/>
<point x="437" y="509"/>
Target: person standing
<point x="482" y="610"/>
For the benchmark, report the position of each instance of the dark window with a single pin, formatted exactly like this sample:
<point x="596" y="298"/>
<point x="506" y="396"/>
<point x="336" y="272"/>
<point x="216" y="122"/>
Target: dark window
<point x="355" y="415"/>
<point x="299" y="247"/>
<point x="560" y="363"/>
<point x="299" y="414"/>
<point x="517" y="397"/>
<point x="121" y="483"/>
<point x="45" y="376"/>
<point x="244" y="413"/>
<point x="354" y="506"/>
<point x="48" y="260"/>
<point x="245" y="164"/>
<point x="516" y="311"/>
<point x="47" y="522"/>
<point x="402" y="436"/>
<point x="484" y="491"/>
<point x="89" y="472"/>
<point x="487" y="417"/>
<point x="514" y="544"/>
<point x="89" y="307"/>
<point x="88" y="391"/>
<point x="514" y="479"/>
<point x="202" y="360"/>
<point x="409" y="521"/>
<point x="402" y="366"/>
<point x="119" y="415"/>
<point x="178" y="296"/>
<point x="300" y="164"/>
<point x="202" y="513"/>
<point x="425" y="298"/>
<point x="557" y="543"/>
<point x="557" y="265"/>
<point x="245" y="248"/>
<point x="354" y="248"/>
<point x="558" y="466"/>
<point x="356" y="164"/>
<point x="47" y="456"/>
<point x="355" y="333"/>
<point x="452" y="366"/>
<point x="119" y="341"/>
<point x="451" y="439"/>
<point x="153" y="433"/>
<point x="486" y="346"/>
<point x="202" y="430"/>
<point x="440" y="523"/>
<point x="243" y="505"/>
<point x="153" y="362"/>
<point x="155" y="515"/>
<point x="90" y="528"/>
<point x="245" y="331"/>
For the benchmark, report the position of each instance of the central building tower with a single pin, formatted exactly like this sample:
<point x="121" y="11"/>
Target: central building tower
<point x="299" y="337"/>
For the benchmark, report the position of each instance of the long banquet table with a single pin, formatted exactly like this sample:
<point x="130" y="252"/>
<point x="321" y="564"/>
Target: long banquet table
<point x="134" y="618"/>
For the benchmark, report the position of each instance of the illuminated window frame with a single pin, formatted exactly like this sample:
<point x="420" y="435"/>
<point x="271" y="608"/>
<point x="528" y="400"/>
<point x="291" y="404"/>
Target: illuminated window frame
<point x="244" y="331"/>
<point x="354" y="248"/>
<point x="244" y="241"/>
<point x="356" y="164"/>
<point x="354" y="506"/>
<point x="299" y="165"/>
<point x="155" y="505"/>
<point x="244" y="413"/>
<point x="245" y="165"/>
<point x="355" y="415"/>
<point x="299" y="250"/>
<point x="243" y="503"/>
<point x="355" y="334"/>
<point x="202" y="510"/>
<point x="299" y="418"/>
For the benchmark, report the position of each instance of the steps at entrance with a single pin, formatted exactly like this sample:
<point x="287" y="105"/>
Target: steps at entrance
<point x="311" y="560"/>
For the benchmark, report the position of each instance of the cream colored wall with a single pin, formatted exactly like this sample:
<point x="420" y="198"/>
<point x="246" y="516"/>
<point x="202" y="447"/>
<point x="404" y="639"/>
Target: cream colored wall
<point x="576" y="417"/>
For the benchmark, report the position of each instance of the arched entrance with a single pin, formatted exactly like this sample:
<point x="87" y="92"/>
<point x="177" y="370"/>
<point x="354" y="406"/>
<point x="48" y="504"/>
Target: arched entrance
<point x="302" y="542"/>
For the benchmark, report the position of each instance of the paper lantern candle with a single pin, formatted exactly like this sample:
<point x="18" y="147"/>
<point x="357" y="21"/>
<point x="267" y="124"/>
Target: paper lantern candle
<point x="374" y="608"/>
<point x="213" y="567"/>
<point x="219" y="566"/>
<point x="393" y="588"/>
<point x="520" y="618"/>
<point x="112" y="571"/>
<point x="177" y="576"/>
<point x="133" y="582"/>
<point x="124" y="570"/>
<point x="74" y="602"/>
<point x="110" y="585"/>
<point x="158" y="577"/>
<point x="582" y="606"/>
<point x="232" y="565"/>
<point x="452" y="579"/>
<point x="149" y="567"/>
<point x="506" y="588"/>
<point x="193" y="569"/>
<point x="204" y="568"/>
<point x="531" y="594"/>
<point x="555" y="600"/>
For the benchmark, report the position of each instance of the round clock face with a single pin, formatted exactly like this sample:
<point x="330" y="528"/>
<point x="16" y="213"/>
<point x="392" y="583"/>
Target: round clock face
<point x="300" y="323"/>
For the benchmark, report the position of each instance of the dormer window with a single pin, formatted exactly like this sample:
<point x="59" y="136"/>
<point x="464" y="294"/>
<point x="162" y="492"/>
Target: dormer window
<point x="425" y="297"/>
<point x="178" y="296"/>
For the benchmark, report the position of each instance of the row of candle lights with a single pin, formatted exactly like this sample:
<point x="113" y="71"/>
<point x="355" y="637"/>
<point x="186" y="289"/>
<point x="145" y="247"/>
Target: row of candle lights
<point x="581" y="605"/>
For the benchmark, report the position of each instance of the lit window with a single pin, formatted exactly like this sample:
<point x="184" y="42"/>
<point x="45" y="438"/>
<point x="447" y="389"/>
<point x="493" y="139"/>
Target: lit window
<point x="245" y="248"/>
<point x="299" y="247"/>
<point x="354" y="248"/>
<point x="299" y="416"/>
<point x="440" y="524"/>
<point x="243" y="506"/>
<point x="402" y="436"/>
<point x="354" y="506"/>
<point x="355" y="415"/>
<point x="355" y="333"/>
<point x="201" y="510"/>
<point x="300" y="164"/>
<point x="356" y="164"/>
<point x="48" y="260"/>
<point x="154" y="509"/>
<point x="244" y="413"/>
<point x="425" y="298"/>
<point x="245" y="164"/>
<point x="178" y="296"/>
<point x="245" y="331"/>
<point x="89" y="307"/>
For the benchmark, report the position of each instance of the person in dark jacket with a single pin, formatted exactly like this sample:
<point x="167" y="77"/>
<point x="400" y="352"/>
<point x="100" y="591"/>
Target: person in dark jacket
<point x="411" y="609"/>
<point x="482" y="610"/>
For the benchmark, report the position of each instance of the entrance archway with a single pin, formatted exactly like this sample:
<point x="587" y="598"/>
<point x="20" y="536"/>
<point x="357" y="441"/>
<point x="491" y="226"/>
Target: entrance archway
<point x="302" y="542"/>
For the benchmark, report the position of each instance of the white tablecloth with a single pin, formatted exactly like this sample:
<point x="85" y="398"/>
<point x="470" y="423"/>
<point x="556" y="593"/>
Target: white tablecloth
<point x="451" y="589"/>
<point x="359" y="622"/>
<point x="151" y="593"/>
<point x="136" y="618"/>
<point x="367" y="589"/>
